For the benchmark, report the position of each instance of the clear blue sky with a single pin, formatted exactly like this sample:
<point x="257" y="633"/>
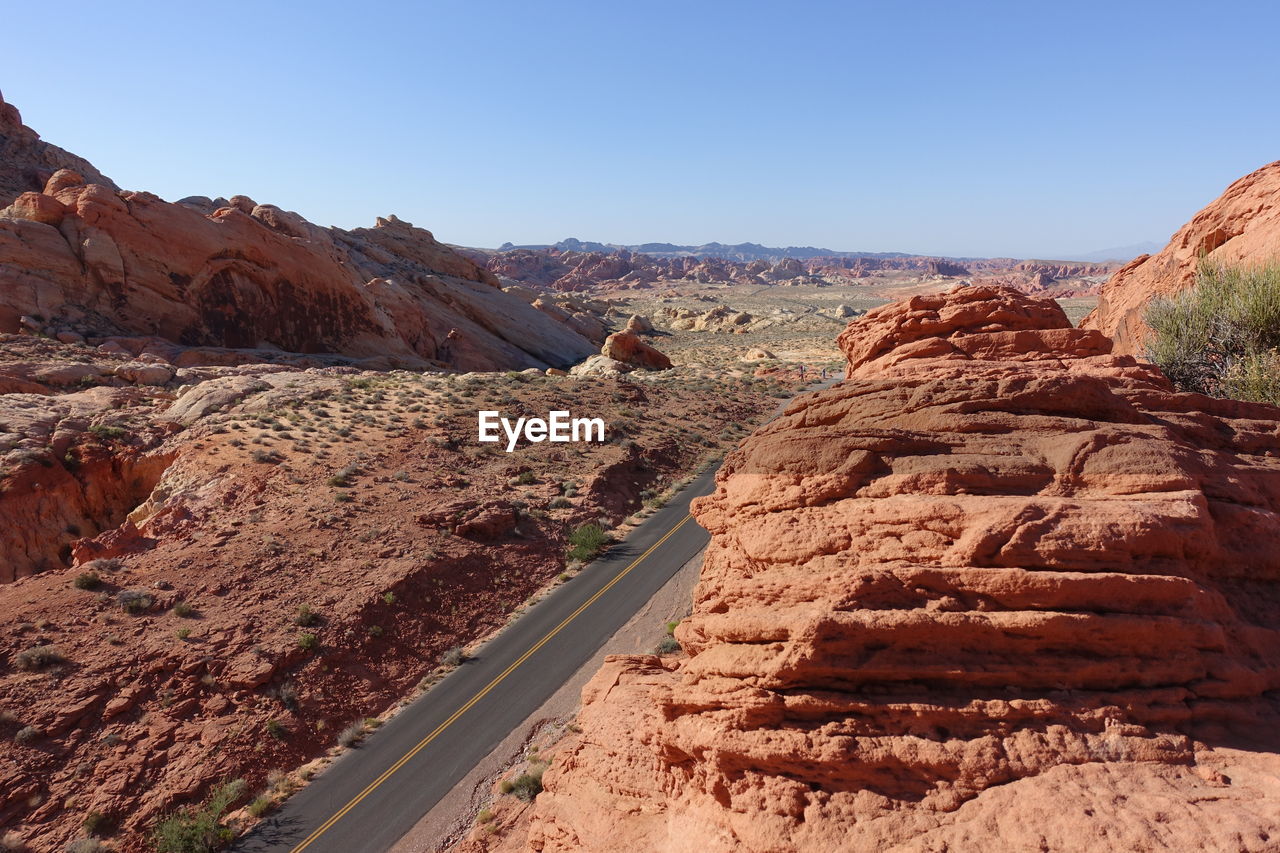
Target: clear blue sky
<point x="1010" y="128"/>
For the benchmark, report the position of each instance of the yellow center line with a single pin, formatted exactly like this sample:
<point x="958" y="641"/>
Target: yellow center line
<point x="422" y="744"/>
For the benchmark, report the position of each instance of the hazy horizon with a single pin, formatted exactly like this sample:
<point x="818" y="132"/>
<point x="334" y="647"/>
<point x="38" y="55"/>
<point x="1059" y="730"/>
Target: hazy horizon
<point x="995" y="130"/>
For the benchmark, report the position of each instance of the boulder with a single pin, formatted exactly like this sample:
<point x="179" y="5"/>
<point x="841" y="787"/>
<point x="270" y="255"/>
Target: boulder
<point x="146" y="373"/>
<point x="36" y="208"/>
<point x="638" y="324"/>
<point x="629" y="349"/>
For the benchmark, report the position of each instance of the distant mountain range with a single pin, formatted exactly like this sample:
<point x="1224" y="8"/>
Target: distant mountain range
<point x="1119" y="253"/>
<point x="730" y="252"/>
<point x="757" y="252"/>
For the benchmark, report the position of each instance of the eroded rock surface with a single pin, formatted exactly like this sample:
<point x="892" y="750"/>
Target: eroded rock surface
<point x="1240" y="228"/>
<point x="79" y="257"/>
<point x="1000" y="590"/>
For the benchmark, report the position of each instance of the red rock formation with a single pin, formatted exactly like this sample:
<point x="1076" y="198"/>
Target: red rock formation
<point x="1241" y="227"/>
<point x="627" y="348"/>
<point x="88" y="258"/>
<point x="998" y="590"/>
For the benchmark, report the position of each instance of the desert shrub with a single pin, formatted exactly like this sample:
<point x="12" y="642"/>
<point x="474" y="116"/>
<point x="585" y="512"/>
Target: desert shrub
<point x="260" y="805"/>
<point x="198" y="829"/>
<point x="85" y="845"/>
<point x="306" y="616"/>
<point x="587" y="541"/>
<point x="87" y="580"/>
<point x="1220" y="337"/>
<point x="134" y="601"/>
<point x="184" y="609"/>
<point x="107" y="431"/>
<point x="94" y="823"/>
<point x="269" y="457"/>
<point x="286" y="694"/>
<point x="560" y="503"/>
<point x="352" y="734"/>
<point x="27" y="735"/>
<point x="667" y="645"/>
<point x="38" y="657"/>
<point x="307" y="641"/>
<point x="183" y="633"/>
<point x="453" y="657"/>
<point x="345" y="476"/>
<point x="105" y="564"/>
<point x="11" y="842"/>
<point x="525" y="478"/>
<point x="276" y="729"/>
<point x="526" y="786"/>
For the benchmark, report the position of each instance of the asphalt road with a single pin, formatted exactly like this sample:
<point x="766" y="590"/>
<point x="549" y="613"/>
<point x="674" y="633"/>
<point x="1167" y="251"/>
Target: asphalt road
<point x="370" y="796"/>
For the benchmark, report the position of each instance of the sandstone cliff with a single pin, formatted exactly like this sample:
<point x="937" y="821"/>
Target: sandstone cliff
<point x="998" y="590"/>
<point x="79" y="256"/>
<point x="1241" y="227"/>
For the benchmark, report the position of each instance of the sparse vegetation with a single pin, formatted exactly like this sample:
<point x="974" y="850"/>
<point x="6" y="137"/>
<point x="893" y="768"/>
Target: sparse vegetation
<point x="260" y="805"/>
<point x="94" y="823"/>
<point x="107" y="431"/>
<point x="306" y="616"/>
<point x="286" y="694"/>
<point x="134" y="601"/>
<point x="587" y="541"/>
<point x="526" y="786"/>
<point x="352" y="734"/>
<point x="453" y="657"/>
<point x="307" y="641"/>
<point x="38" y="657"/>
<point x="667" y="646"/>
<point x="27" y="735"/>
<point x="85" y="845"/>
<point x="88" y="580"/>
<point x="1222" y="336"/>
<point x="198" y="829"/>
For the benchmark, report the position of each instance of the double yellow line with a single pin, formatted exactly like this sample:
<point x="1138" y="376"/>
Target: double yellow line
<point x="422" y="744"/>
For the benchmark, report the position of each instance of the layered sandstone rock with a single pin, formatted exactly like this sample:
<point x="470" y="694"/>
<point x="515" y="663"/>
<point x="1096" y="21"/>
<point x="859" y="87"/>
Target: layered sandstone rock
<point x="1240" y="228"/>
<point x="77" y="256"/>
<point x="998" y="590"/>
